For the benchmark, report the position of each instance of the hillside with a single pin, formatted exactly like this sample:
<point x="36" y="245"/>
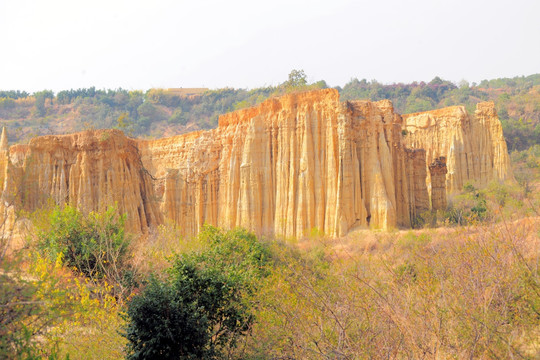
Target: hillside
<point x="164" y="112"/>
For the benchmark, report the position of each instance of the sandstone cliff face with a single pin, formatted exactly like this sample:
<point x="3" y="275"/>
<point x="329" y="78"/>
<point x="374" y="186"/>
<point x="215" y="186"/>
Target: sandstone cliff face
<point x="90" y="170"/>
<point x="473" y="146"/>
<point x="438" y="171"/>
<point x="292" y="164"/>
<point x="416" y="175"/>
<point x="285" y="167"/>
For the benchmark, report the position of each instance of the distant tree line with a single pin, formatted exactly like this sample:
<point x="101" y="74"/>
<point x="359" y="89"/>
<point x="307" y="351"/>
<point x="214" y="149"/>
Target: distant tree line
<point x="13" y="94"/>
<point x="141" y="113"/>
<point x="520" y="82"/>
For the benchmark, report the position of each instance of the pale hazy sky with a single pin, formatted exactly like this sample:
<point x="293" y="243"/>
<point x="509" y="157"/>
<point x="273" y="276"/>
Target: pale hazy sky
<point x="62" y="44"/>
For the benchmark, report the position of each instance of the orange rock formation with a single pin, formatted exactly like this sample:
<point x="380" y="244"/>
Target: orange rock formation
<point x="474" y="146"/>
<point x="437" y="172"/>
<point x="284" y="167"/>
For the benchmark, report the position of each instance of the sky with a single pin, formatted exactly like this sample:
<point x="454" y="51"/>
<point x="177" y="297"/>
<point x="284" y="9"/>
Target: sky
<point x="64" y="44"/>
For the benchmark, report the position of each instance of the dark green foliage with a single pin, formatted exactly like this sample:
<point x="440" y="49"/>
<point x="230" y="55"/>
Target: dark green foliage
<point x="96" y="244"/>
<point x="206" y="108"/>
<point x="479" y="209"/>
<point x="237" y="253"/>
<point x="101" y="108"/>
<point x="521" y="134"/>
<point x="517" y="101"/>
<point x="202" y="309"/>
<point x="12" y="330"/>
<point x="165" y="323"/>
<point x="113" y="98"/>
<point x="39" y="106"/>
<point x="136" y="98"/>
<point x="13" y="94"/>
<point x="407" y="98"/>
<point x="469" y="207"/>
<point x="162" y="97"/>
<point x="297" y="80"/>
<point x="7" y="103"/>
<point x="526" y="166"/>
<point x="178" y="117"/>
<point x="321" y="84"/>
<point x="147" y="113"/>
<point x="518" y="81"/>
<point x="406" y="273"/>
<point x="27" y="310"/>
<point x="22" y="318"/>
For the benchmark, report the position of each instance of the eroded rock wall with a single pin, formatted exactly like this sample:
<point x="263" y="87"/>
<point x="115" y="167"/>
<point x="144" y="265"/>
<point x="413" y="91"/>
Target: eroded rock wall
<point x="473" y="145"/>
<point x="416" y="173"/>
<point x="90" y="170"/>
<point x="437" y="172"/>
<point x="285" y="167"/>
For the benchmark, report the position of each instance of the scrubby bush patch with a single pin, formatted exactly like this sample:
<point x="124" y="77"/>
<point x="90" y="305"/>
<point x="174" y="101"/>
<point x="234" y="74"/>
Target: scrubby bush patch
<point x="203" y="307"/>
<point x="95" y="244"/>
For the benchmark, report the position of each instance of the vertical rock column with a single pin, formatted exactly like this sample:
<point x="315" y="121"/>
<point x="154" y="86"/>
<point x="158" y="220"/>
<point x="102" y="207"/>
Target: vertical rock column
<point x="416" y="181"/>
<point x="4" y="159"/>
<point x="494" y="163"/>
<point x="438" y="171"/>
<point x="9" y="178"/>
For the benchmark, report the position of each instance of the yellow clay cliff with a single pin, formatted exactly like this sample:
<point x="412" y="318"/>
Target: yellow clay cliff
<point x="285" y="167"/>
<point x="473" y="145"/>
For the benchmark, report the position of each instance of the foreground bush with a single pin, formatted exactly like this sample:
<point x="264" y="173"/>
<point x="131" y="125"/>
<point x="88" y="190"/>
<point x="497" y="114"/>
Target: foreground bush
<point x="49" y="312"/>
<point x="95" y="244"/>
<point x="202" y="308"/>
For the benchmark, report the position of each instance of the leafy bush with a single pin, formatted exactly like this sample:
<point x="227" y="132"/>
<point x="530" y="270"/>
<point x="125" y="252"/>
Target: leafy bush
<point x="526" y="166"/>
<point x="194" y="314"/>
<point x="96" y="244"/>
<point x="48" y="312"/>
<point x="148" y="113"/>
<point x="202" y="309"/>
<point x="17" y="308"/>
<point x="237" y="253"/>
<point x="468" y="207"/>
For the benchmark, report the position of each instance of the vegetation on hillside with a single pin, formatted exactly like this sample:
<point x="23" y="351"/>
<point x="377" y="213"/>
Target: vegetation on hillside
<point x="159" y="112"/>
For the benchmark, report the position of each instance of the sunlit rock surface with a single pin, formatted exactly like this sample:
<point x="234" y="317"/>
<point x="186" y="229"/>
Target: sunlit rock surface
<point x="473" y="145"/>
<point x="285" y="167"/>
<point x="437" y="172"/>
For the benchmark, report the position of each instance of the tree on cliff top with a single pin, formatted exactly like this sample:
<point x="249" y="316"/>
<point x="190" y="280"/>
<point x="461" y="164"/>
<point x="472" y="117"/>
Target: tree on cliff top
<point x="297" y="80"/>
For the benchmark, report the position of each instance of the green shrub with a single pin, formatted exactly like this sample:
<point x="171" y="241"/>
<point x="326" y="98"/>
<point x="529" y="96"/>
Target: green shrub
<point x="95" y="244"/>
<point x="237" y="253"/>
<point x="469" y="207"/>
<point x="202" y="309"/>
<point x="425" y="219"/>
<point x="32" y="301"/>
<point x="178" y="117"/>
<point x="193" y="315"/>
